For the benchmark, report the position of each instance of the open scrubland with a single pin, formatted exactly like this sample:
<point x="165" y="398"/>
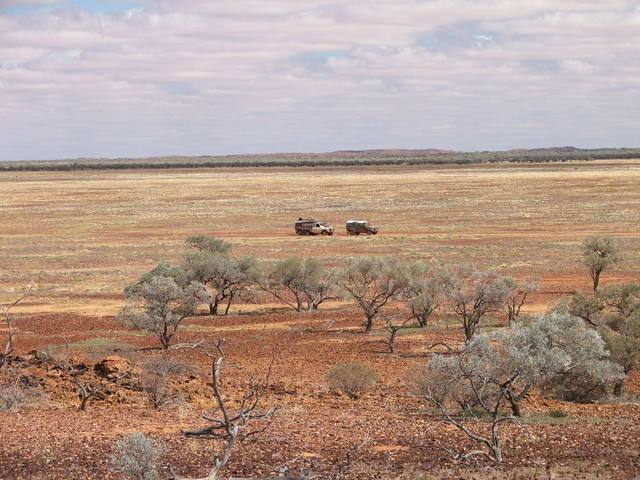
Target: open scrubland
<point x="80" y="237"/>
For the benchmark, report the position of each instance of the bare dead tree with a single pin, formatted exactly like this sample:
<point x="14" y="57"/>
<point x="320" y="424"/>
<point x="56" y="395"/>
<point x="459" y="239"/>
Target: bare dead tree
<point x="8" y="319"/>
<point x="230" y="426"/>
<point x="86" y="391"/>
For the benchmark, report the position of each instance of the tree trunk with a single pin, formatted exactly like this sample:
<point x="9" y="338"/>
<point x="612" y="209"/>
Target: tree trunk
<point x="469" y="329"/>
<point x="213" y="307"/>
<point x="515" y="407"/>
<point x="596" y="280"/>
<point x="617" y="389"/>
<point x="369" y="324"/>
<point x="423" y="319"/>
<point x="392" y="341"/>
<point x="165" y="340"/>
<point x="226" y="310"/>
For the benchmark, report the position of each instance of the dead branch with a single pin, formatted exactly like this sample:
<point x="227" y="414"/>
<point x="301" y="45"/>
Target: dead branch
<point x="6" y="311"/>
<point x="85" y="392"/>
<point x="187" y="345"/>
<point x="492" y="443"/>
<point x="442" y="344"/>
<point x="350" y="456"/>
<point x="230" y="427"/>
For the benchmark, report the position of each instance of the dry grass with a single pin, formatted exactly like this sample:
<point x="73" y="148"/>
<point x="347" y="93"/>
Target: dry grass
<point x="81" y="236"/>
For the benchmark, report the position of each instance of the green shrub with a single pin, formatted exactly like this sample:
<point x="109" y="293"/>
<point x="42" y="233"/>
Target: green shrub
<point x="351" y="378"/>
<point x="557" y="414"/>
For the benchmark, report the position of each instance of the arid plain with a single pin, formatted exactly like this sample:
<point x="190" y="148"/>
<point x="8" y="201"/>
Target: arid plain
<point x="81" y="237"/>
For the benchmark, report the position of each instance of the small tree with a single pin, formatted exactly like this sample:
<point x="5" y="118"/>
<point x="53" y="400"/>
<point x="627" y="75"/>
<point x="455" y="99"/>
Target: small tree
<point x="323" y="289"/>
<point x="159" y="305"/>
<point x="456" y="384"/>
<point x="393" y="325"/>
<point x="519" y="291"/>
<point x="227" y="277"/>
<point x="425" y="290"/>
<point x="303" y="284"/>
<point x="372" y="282"/>
<point x="351" y="378"/>
<point x="492" y="375"/>
<point x="137" y="456"/>
<point x="473" y="295"/>
<point x="598" y="254"/>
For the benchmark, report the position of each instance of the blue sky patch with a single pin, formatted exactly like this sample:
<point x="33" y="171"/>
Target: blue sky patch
<point x="91" y="6"/>
<point x="542" y="65"/>
<point x="318" y="60"/>
<point x="457" y="35"/>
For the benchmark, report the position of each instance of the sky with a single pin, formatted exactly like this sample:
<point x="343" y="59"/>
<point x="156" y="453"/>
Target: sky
<point x="91" y="78"/>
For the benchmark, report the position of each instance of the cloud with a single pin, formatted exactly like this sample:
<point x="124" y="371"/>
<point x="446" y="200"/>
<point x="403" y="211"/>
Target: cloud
<point x="201" y="77"/>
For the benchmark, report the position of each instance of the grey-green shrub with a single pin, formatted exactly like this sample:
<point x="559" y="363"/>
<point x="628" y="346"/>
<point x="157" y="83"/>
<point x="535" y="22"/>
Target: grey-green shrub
<point x="137" y="456"/>
<point x="351" y="378"/>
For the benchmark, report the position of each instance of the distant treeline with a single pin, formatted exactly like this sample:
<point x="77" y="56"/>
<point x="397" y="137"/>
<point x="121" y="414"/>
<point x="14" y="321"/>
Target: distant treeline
<point x="346" y="159"/>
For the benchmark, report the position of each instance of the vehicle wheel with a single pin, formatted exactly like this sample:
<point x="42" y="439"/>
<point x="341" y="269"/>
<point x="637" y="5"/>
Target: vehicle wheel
<point x="324" y="232"/>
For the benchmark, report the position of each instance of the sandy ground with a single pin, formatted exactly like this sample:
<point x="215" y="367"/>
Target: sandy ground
<point x="80" y="237"/>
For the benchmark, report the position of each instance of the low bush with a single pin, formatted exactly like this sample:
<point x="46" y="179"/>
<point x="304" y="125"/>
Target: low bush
<point x="156" y="380"/>
<point x="351" y="378"/>
<point x="137" y="456"/>
<point x="557" y="414"/>
<point x="17" y="395"/>
<point x="12" y="397"/>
